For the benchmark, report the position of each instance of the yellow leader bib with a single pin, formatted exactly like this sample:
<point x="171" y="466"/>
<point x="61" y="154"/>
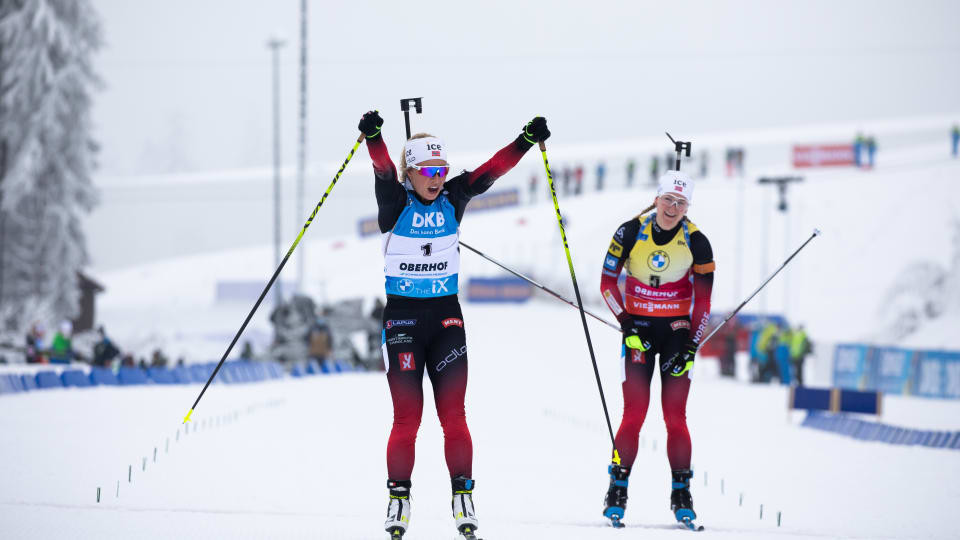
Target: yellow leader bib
<point x="658" y="277"/>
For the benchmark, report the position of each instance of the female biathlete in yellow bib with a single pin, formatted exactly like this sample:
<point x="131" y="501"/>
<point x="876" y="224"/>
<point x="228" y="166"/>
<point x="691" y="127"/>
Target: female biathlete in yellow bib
<point x="669" y="266"/>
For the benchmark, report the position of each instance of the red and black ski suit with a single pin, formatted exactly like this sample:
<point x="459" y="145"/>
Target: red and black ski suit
<point x="427" y="334"/>
<point x="668" y="285"/>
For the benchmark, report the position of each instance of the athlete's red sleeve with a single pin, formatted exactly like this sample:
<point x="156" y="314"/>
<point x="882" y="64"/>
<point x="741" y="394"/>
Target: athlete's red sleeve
<point x="700" y="315"/>
<point x="383" y="167"/>
<point x="611" y="293"/>
<point x="483" y="176"/>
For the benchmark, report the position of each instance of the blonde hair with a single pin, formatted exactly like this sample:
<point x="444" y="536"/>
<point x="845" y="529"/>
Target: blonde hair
<point x="647" y="209"/>
<point x="402" y="164"/>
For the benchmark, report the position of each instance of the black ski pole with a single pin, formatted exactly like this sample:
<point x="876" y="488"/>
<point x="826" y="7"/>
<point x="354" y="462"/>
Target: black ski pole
<point x="576" y="289"/>
<point x="274" y="277"/>
<point x="539" y="286"/>
<point x="816" y="233"/>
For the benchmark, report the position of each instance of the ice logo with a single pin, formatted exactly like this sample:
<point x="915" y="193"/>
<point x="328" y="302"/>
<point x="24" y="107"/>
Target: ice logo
<point x="405" y="285"/>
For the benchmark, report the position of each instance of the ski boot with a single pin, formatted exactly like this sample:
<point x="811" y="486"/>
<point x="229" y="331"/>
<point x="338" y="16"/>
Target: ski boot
<point x="681" y="502"/>
<point x="398" y="510"/>
<point x="615" y="503"/>
<point x="462" y="506"/>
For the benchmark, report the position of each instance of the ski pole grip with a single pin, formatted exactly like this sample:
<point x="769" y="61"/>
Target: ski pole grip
<point x="360" y="138"/>
<point x="543" y="147"/>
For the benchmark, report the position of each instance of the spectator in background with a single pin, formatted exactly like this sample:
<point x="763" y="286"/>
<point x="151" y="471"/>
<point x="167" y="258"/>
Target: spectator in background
<point x="567" y="177"/>
<point x="704" y="163"/>
<point x="669" y="161"/>
<point x="319" y="340"/>
<point x="800" y="347"/>
<point x="533" y="188"/>
<point x="158" y="359"/>
<point x="728" y="364"/>
<point x="781" y="353"/>
<point x="955" y="139"/>
<point x="601" y="170"/>
<point x="632" y="166"/>
<point x="766" y="345"/>
<point x="127" y="360"/>
<point x="104" y="351"/>
<point x="871" y="145"/>
<point x="33" y="352"/>
<point x="247" y="352"/>
<point x="142" y="363"/>
<point x="578" y="180"/>
<point x="61" y="350"/>
<point x="858" y="149"/>
<point x="180" y="362"/>
<point x="654" y="169"/>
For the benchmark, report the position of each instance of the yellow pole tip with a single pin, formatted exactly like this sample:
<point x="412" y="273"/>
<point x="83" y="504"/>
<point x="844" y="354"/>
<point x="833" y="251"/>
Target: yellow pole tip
<point x="187" y="417"/>
<point x="616" y="457"/>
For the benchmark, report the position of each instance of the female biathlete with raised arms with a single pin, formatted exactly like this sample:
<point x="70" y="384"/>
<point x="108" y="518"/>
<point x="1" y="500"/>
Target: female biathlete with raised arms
<point x="423" y="327"/>
<point x="669" y="266"/>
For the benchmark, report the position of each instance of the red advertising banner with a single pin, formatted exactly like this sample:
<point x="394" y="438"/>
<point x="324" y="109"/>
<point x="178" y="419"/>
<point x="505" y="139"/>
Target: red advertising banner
<point x="822" y="155"/>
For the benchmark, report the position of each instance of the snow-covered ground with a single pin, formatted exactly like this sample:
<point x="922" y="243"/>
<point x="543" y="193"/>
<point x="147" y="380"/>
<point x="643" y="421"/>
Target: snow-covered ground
<point x="305" y="458"/>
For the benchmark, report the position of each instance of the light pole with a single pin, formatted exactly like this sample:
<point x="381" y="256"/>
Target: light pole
<point x="302" y="142"/>
<point x="274" y="44"/>
<point x="782" y="182"/>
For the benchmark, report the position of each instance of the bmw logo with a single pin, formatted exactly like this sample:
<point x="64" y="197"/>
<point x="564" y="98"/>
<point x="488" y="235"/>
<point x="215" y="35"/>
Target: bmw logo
<point x="658" y="261"/>
<point x="405" y="285"/>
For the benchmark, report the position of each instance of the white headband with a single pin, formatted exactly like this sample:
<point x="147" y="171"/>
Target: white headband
<point x="420" y="150"/>
<point x="676" y="183"/>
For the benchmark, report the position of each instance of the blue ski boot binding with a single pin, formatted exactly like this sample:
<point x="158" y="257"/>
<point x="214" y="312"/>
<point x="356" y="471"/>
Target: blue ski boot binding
<point x="681" y="501"/>
<point x="615" y="503"/>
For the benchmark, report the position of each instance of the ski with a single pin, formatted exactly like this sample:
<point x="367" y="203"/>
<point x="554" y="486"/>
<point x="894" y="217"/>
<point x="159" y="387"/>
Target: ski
<point x="616" y="523"/>
<point x="687" y="523"/>
<point x="396" y="533"/>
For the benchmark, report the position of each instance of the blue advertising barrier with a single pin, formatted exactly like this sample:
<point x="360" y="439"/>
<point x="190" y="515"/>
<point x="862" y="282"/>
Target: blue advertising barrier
<point x="49" y="379"/>
<point x="850" y="366"/>
<point x="105" y="376"/>
<point x="933" y="374"/>
<point x="864" y="430"/>
<point x="835" y="400"/>
<point x="75" y="377"/>
<point x="889" y="370"/>
<point x="232" y="372"/>
<point x="937" y="374"/>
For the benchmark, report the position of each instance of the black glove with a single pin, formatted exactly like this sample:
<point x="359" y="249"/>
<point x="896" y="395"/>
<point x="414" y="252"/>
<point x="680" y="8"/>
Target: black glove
<point x="632" y="337"/>
<point x="536" y="130"/>
<point x="370" y="124"/>
<point x="681" y="362"/>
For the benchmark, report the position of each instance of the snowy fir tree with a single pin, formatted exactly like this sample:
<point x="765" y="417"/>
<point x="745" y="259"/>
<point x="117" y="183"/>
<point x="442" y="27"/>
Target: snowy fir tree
<point x="46" y="155"/>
